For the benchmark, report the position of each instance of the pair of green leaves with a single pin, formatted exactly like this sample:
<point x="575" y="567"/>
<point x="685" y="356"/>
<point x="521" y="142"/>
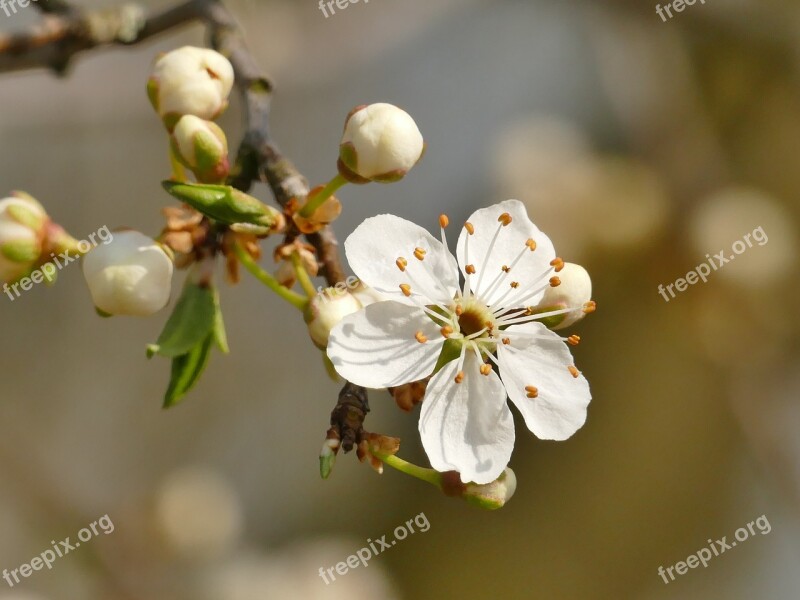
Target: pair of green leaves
<point x="225" y="204"/>
<point x="194" y="327"/>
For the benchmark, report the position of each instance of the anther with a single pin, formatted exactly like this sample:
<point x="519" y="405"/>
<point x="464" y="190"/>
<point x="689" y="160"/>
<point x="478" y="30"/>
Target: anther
<point x="443" y="221"/>
<point x="486" y="369"/>
<point x="419" y="253"/>
<point x="459" y="310"/>
<point x="470" y="269"/>
<point x="505" y="268"/>
<point x="574" y="340"/>
<point x="531" y="244"/>
<point x="515" y="284"/>
<point x="469" y="227"/>
<point x="459" y="377"/>
<point x="401" y="263"/>
<point x="506" y="341"/>
<point x="558" y="263"/>
<point x="590" y="307"/>
<point x="555" y="282"/>
<point x="505" y="219"/>
<point x="446" y="330"/>
<point x="420" y="337"/>
<point x="574" y="372"/>
<point x="533" y="392"/>
<point x="406" y="289"/>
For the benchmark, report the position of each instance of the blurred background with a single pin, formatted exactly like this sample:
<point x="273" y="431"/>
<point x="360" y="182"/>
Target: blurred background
<point x="639" y="146"/>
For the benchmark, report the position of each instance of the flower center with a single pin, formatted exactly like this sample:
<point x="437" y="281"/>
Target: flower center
<point x="474" y="317"/>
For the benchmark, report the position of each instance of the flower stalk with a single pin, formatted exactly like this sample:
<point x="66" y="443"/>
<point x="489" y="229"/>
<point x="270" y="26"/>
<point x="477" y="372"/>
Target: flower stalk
<point x="319" y="199"/>
<point x="293" y="298"/>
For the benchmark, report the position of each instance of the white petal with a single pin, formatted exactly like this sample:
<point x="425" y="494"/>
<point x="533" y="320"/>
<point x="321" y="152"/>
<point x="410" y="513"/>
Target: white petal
<point x="467" y="427"/>
<point x="508" y="246"/>
<point x="376" y="347"/>
<point x="374" y="247"/>
<point x="559" y="410"/>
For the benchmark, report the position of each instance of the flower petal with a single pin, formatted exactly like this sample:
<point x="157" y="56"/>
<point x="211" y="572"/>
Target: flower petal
<point x="559" y="409"/>
<point x="377" y="348"/>
<point x="488" y="258"/>
<point x="467" y="427"/>
<point x="374" y="247"/>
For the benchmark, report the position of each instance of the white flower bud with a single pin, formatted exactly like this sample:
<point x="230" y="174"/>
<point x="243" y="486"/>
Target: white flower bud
<point x="366" y="295"/>
<point x="575" y="290"/>
<point x="23" y="223"/>
<point x="324" y="312"/>
<point x="494" y="495"/>
<point x="190" y="81"/>
<point x="381" y="143"/>
<point x="130" y="276"/>
<point x="202" y="147"/>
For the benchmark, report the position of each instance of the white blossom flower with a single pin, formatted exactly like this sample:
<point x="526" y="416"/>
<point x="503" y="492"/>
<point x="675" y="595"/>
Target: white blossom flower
<point x="130" y="276"/>
<point x="381" y="142"/>
<point x="190" y="81"/>
<point x="487" y="327"/>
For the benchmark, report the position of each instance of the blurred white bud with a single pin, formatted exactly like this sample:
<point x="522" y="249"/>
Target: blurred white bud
<point x="325" y="310"/>
<point x="130" y="276"/>
<point x="381" y="143"/>
<point x="190" y="81"/>
<point x="574" y="291"/>
<point x="494" y="495"/>
<point x="22" y="230"/>
<point x="198" y="513"/>
<point x="201" y="146"/>
<point x="365" y="294"/>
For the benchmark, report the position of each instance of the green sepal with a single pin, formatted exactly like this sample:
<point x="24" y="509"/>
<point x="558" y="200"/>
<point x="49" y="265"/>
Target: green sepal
<point x="552" y="321"/>
<point x="21" y="251"/>
<point x="220" y="336"/>
<point x="192" y="320"/>
<point x="30" y="218"/>
<point x="223" y="203"/>
<point x="451" y="350"/>
<point x="186" y="371"/>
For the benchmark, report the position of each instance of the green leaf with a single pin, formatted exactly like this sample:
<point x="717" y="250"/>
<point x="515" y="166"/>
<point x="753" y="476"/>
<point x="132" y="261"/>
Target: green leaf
<point x="194" y="317"/>
<point x="223" y="203"/>
<point x="186" y="371"/>
<point x="220" y="336"/>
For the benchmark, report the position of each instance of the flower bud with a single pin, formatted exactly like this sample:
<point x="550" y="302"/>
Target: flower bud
<point x="575" y="290"/>
<point x="492" y="496"/>
<point x="324" y="312"/>
<point x="381" y="143"/>
<point x="190" y="81"/>
<point x="23" y="225"/>
<point x="130" y="276"/>
<point x="202" y="147"/>
<point x="365" y="294"/>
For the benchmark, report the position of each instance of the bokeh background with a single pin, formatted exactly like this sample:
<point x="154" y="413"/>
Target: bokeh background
<point x="639" y="146"/>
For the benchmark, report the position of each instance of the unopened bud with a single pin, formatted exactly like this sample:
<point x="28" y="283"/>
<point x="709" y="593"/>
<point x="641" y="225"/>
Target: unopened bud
<point x="190" y="81"/>
<point x="381" y="143"/>
<point x="202" y="147"/>
<point x="130" y="276"/>
<point x="365" y="294"/>
<point x="23" y="225"/>
<point x="326" y="310"/>
<point x="574" y="290"/>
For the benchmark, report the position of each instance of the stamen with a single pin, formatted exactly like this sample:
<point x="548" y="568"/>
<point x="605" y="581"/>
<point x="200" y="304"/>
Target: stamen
<point x="489" y="251"/>
<point x="590" y="307"/>
<point x="459" y="377"/>
<point x="446" y="330"/>
<point x="574" y="340"/>
<point x="532" y="391"/>
<point x="459" y="310"/>
<point x="470" y="269"/>
<point x="501" y="276"/>
<point x="558" y="263"/>
<point x="486" y="369"/>
<point x="420" y="337"/>
<point x="406" y="289"/>
<point x="505" y="268"/>
<point x="531" y="244"/>
<point x="469" y="227"/>
<point x="506" y="341"/>
<point x="515" y="284"/>
<point x="401" y="263"/>
<point x="419" y="253"/>
<point x="443" y="221"/>
<point x="555" y="281"/>
<point x="505" y="219"/>
<point x="574" y="372"/>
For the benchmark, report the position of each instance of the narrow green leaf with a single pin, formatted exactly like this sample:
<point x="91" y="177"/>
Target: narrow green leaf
<point x="191" y="321"/>
<point x="186" y="371"/>
<point x="220" y="336"/>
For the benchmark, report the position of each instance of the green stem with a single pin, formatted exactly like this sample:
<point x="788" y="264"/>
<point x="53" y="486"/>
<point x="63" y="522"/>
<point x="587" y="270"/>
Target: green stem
<point x="319" y="199"/>
<point x="428" y="475"/>
<point x="302" y="275"/>
<point x="268" y="280"/>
